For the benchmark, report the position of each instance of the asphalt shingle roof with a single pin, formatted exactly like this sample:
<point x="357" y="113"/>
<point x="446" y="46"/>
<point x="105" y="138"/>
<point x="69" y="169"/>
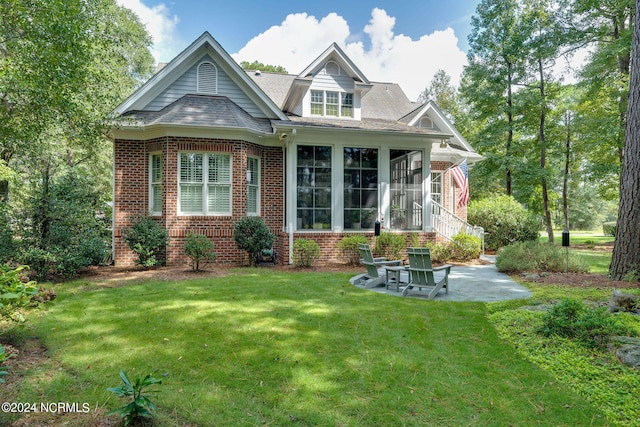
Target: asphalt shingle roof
<point x="202" y="110"/>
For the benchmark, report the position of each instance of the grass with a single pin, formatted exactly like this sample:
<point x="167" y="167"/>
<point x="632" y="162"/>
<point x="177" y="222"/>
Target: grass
<point x="262" y="347"/>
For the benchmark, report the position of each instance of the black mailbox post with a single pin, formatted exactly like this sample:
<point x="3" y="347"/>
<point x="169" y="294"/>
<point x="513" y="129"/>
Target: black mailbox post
<point x="377" y="228"/>
<point x="565" y="238"/>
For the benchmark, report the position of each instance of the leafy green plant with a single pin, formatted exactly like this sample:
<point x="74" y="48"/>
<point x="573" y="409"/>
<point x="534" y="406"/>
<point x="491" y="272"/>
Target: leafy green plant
<point x="571" y="318"/>
<point x="465" y="247"/>
<point x="609" y="228"/>
<point x="147" y="239"/>
<point x="15" y="291"/>
<point x="252" y="235"/>
<point x="140" y="405"/>
<point x="305" y="252"/>
<point x="348" y="247"/>
<point x="390" y="245"/>
<point x="6" y="234"/>
<point x="199" y="249"/>
<point x="504" y="219"/>
<point x="538" y="257"/>
<point x="440" y="252"/>
<point x="3" y="369"/>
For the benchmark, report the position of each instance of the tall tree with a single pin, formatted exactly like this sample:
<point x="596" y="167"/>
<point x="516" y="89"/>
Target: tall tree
<point x="488" y="82"/>
<point x="626" y="249"/>
<point x="443" y="93"/>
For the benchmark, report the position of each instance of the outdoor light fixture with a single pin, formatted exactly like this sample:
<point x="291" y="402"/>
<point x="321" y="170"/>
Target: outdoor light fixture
<point x="443" y="143"/>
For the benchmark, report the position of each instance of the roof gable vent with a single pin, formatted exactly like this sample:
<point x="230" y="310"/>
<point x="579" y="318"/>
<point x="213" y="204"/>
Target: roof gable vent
<point x="207" y="78"/>
<point x="331" y="68"/>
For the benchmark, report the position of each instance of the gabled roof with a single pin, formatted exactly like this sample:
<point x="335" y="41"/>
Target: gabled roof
<point x="431" y="110"/>
<point x="202" y="110"/>
<point x="334" y="52"/>
<point x="205" y="44"/>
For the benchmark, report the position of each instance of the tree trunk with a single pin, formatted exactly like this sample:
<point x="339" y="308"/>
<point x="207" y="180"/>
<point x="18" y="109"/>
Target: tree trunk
<point x="626" y="250"/>
<point x="543" y="155"/>
<point x="565" y="181"/>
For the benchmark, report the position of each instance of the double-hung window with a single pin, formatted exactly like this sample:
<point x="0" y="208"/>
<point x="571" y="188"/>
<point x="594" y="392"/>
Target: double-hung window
<point x="205" y="184"/>
<point x="331" y="103"/>
<point x="360" y="187"/>
<point x="155" y="184"/>
<point x="253" y="186"/>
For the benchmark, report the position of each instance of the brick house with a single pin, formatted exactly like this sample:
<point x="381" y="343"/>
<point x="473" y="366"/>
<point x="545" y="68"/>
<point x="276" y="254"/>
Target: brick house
<point x="319" y="155"/>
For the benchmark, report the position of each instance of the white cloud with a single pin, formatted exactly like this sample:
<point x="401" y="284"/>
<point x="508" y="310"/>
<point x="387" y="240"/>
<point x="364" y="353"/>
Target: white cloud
<point x="396" y="58"/>
<point x="160" y="24"/>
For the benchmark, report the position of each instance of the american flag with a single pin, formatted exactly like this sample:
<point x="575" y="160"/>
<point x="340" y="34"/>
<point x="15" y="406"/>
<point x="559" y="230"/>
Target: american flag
<point x="461" y="177"/>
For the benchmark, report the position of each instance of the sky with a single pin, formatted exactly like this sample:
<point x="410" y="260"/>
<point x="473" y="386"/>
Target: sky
<point x="399" y="41"/>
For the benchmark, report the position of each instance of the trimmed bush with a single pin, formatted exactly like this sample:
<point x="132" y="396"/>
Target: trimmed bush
<point x="148" y="240"/>
<point x="609" y="228"/>
<point x="199" y="249"/>
<point x="390" y="245"/>
<point x="252" y="235"/>
<point x="348" y="248"/>
<point x="570" y="318"/>
<point x="504" y="220"/>
<point x="465" y="247"/>
<point x="538" y="257"/>
<point x="305" y="253"/>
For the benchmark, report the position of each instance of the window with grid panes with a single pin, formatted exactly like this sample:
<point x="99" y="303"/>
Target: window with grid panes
<point x="360" y="187"/>
<point x="205" y="184"/>
<point x="331" y="107"/>
<point x="253" y="185"/>
<point x="313" y="189"/>
<point x="317" y="102"/>
<point x="346" y="108"/>
<point x="155" y="184"/>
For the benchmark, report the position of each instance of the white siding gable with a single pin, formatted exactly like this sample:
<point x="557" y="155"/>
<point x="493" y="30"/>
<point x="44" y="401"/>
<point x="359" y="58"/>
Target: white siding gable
<point x="333" y="83"/>
<point x="187" y="83"/>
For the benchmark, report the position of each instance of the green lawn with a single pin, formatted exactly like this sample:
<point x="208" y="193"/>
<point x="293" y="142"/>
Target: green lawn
<point x="262" y="347"/>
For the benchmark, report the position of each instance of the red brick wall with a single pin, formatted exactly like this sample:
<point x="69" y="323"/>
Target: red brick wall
<point x="131" y="191"/>
<point x="132" y="199"/>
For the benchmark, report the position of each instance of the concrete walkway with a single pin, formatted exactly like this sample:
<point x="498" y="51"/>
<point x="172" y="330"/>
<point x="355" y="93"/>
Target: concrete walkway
<point x="474" y="283"/>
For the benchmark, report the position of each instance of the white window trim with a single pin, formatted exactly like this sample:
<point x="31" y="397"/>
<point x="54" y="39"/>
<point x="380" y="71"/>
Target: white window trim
<point x="205" y="185"/>
<point x="337" y="66"/>
<point x="257" y="186"/>
<point x="150" y="174"/>
<point x="324" y="103"/>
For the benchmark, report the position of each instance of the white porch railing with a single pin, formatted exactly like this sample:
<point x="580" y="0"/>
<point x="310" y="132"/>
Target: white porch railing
<point x="447" y="224"/>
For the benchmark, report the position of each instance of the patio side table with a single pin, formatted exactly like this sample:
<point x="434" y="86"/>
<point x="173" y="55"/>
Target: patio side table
<point x="393" y="276"/>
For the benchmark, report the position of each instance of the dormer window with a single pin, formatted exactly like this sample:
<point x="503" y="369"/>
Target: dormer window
<point x="331" y="103"/>
<point x="332" y="69"/>
<point x="426" y="122"/>
<point x="207" y="78"/>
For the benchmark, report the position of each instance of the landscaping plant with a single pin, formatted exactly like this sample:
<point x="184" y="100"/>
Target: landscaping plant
<point x="3" y="369"/>
<point x="15" y="292"/>
<point x="252" y="235"/>
<point x="147" y="239"/>
<point x="390" y="245"/>
<point x="199" y="249"/>
<point x="140" y="406"/>
<point x="465" y="247"/>
<point x="305" y="252"/>
<point x="538" y="257"/>
<point x="348" y="248"/>
<point x="504" y="220"/>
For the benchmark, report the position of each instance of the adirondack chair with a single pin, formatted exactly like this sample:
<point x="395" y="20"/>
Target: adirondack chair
<point x="423" y="278"/>
<point x="373" y="277"/>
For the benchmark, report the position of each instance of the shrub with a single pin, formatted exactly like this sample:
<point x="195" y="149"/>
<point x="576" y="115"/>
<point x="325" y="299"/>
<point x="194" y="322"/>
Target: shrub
<point x="15" y="292"/>
<point x="504" y="220"/>
<point x="609" y="228"/>
<point x="535" y="256"/>
<point x="305" y="252"/>
<point x="140" y="405"/>
<point x="593" y="327"/>
<point x="440" y="252"/>
<point x="252" y="235"/>
<point x="465" y="247"/>
<point x="147" y="239"/>
<point x="199" y="249"/>
<point x="3" y="369"/>
<point x="348" y="248"/>
<point x="390" y="245"/>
